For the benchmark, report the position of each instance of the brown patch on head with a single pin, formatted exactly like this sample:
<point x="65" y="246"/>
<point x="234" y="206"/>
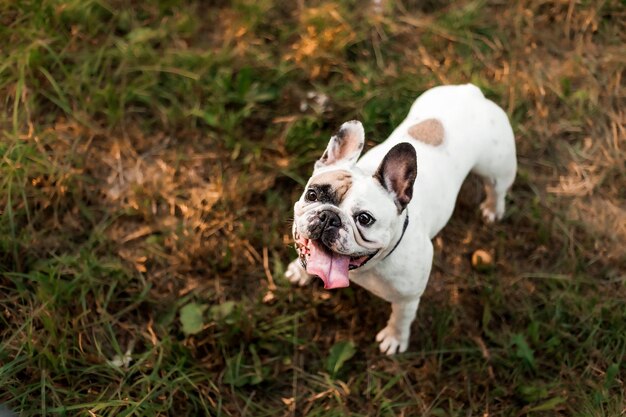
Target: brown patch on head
<point x="429" y="131"/>
<point x="332" y="186"/>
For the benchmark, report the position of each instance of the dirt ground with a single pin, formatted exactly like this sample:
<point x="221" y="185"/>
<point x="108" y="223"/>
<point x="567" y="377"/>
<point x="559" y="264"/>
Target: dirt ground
<point x="151" y="155"/>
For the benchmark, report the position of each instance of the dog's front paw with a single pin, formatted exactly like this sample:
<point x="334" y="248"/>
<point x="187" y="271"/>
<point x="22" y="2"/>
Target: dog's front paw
<point x="296" y="274"/>
<point x="392" y="341"/>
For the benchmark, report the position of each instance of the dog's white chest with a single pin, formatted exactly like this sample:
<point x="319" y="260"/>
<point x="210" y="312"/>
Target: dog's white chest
<point x="376" y="283"/>
<point x="389" y="279"/>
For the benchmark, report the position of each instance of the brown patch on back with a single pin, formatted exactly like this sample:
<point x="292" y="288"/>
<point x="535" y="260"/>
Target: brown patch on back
<point x="429" y="131"/>
<point x="338" y="182"/>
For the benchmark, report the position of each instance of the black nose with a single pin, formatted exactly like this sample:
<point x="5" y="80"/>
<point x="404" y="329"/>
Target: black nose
<point x="329" y="218"/>
<point x="327" y="221"/>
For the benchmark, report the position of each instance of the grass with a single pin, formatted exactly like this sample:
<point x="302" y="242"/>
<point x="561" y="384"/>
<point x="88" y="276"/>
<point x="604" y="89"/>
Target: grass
<point x="150" y="156"/>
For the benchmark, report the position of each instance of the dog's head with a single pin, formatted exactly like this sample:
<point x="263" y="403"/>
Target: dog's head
<point x="346" y="217"/>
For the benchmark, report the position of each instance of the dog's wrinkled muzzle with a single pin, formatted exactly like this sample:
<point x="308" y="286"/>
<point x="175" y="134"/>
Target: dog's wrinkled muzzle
<point x="325" y="224"/>
<point x="316" y="257"/>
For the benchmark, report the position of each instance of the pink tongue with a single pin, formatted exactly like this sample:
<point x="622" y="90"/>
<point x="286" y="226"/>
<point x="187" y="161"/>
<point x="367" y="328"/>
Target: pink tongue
<point x="331" y="267"/>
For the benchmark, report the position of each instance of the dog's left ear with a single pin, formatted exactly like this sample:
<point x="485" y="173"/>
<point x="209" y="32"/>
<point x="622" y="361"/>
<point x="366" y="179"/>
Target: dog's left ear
<point x="344" y="147"/>
<point x="397" y="173"/>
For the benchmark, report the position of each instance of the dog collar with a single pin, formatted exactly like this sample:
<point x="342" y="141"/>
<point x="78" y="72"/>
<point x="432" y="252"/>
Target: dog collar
<point x="406" y="224"/>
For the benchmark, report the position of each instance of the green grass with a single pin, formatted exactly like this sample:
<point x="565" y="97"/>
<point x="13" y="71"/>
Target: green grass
<point x="150" y="155"/>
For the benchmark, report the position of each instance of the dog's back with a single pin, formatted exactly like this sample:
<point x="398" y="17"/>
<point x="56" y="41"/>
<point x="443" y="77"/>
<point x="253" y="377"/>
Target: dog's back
<point x="454" y="130"/>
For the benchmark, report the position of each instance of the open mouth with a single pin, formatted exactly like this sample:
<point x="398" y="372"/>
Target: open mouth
<point x="331" y="267"/>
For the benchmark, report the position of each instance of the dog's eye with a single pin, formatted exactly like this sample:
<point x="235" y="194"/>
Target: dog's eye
<point x="364" y="219"/>
<point x="310" y="195"/>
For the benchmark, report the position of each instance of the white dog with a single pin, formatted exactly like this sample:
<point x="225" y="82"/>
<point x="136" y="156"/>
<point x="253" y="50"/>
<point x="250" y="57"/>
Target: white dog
<point x="371" y="222"/>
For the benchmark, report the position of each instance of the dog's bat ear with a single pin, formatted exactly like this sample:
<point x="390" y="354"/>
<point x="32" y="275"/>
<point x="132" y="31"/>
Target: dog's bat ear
<point x="344" y="147"/>
<point x="397" y="173"/>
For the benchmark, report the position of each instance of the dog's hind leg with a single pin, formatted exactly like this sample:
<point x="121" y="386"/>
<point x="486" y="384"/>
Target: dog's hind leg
<point x="497" y="183"/>
<point x="498" y="173"/>
<point x="493" y="206"/>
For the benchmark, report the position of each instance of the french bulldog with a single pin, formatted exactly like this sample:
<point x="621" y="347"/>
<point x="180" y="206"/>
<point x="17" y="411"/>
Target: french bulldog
<point x="370" y="221"/>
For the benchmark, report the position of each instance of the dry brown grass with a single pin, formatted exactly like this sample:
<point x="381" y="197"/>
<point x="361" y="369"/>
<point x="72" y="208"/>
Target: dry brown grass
<point x="117" y="213"/>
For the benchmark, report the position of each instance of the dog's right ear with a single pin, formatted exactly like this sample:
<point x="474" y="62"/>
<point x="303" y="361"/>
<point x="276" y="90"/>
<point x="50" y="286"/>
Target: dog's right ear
<point x="344" y="147"/>
<point x="397" y="173"/>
